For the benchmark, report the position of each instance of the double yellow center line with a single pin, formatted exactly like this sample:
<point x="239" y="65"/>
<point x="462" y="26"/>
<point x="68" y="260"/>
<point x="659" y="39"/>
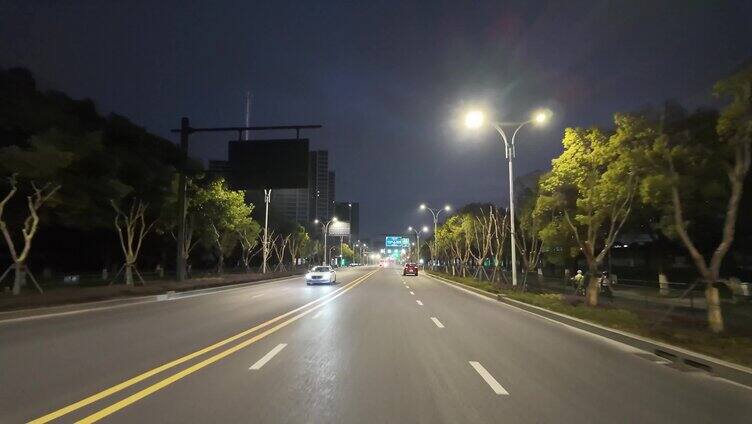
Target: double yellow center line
<point x="296" y="314"/>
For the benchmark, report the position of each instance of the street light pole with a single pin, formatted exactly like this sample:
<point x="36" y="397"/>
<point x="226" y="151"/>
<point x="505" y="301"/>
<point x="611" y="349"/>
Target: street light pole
<point x="325" y="227"/>
<point x="510" y="153"/>
<point x="349" y="238"/>
<point x="435" y="214"/>
<point x="417" y="239"/>
<point x="474" y="119"/>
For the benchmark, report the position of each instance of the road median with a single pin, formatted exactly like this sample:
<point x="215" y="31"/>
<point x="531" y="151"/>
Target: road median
<point x="615" y="324"/>
<point x="75" y="298"/>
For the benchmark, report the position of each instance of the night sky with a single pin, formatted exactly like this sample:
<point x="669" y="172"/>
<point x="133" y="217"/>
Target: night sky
<point x="386" y="79"/>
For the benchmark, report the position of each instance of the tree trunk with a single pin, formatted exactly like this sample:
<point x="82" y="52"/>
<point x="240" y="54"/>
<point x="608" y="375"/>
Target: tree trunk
<point x="129" y="274"/>
<point x="663" y="283"/>
<point x="220" y="264"/>
<point x="593" y="288"/>
<point x="19" y="280"/>
<point x="715" y="317"/>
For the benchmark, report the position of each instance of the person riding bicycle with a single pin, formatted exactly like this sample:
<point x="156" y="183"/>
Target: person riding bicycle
<point x="605" y="285"/>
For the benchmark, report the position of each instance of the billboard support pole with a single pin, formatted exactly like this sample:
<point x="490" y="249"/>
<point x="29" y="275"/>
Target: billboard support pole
<point x="267" y="199"/>
<point x="185" y="130"/>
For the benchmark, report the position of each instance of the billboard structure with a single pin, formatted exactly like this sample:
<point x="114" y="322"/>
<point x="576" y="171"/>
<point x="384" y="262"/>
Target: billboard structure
<point x="339" y="229"/>
<point x="267" y="164"/>
<point x="397" y="241"/>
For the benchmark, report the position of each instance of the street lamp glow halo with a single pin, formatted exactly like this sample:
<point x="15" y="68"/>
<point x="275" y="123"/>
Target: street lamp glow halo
<point x="474" y="119"/>
<point x="541" y="116"/>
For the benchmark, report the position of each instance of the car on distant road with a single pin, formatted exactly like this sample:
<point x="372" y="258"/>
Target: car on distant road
<point x="410" y="268"/>
<point x="321" y="275"/>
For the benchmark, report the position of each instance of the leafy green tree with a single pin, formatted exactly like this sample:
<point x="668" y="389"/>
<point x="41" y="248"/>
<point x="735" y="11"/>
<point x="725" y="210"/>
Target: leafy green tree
<point x="347" y="253"/>
<point x="248" y="236"/>
<point x="49" y="137"/>
<point x="220" y="214"/>
<point x="313" y="251"/>
<point x="691" y="168"/>
<point x="297" y="244"/>
<point x="529" y="223"/>
<point x="590" y="190"/>
<point x="455" y="239"/>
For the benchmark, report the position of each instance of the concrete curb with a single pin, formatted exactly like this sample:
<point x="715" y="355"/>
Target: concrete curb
<point x="76" y="308"/>
<point x="718" y="367"/>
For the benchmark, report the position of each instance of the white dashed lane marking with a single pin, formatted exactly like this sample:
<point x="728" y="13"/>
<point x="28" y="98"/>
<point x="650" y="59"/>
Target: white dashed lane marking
<point x="495" y="386"/>
<point x="260" y="363"/>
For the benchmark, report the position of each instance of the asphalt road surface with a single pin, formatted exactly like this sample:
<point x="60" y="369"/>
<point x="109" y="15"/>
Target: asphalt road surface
<point x="375" y="348"/>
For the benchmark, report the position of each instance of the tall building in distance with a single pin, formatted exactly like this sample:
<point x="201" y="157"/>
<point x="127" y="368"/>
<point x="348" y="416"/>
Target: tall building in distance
<point x="332" y="197"/>
<point x="292" y="203"/>
<point x="320" y="197"/>
<point x="350" y="212"/>
<point x="302" y="205"/>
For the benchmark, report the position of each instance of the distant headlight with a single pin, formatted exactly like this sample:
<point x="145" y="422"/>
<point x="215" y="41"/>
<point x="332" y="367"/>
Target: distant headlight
<point x="308" y="276"/>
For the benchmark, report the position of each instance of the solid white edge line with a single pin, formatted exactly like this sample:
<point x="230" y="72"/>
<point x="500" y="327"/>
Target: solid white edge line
<point x="489" y="379"/>
<point x="614" y="343"/>
<point x="260" y="363"/>
<point x="437" y="322"/>
<point x="419" y="302"/>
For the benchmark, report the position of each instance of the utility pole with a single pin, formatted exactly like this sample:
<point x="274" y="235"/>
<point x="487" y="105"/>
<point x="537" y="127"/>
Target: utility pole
<point x="182" y="204"/>
<point x="267" y="199"/>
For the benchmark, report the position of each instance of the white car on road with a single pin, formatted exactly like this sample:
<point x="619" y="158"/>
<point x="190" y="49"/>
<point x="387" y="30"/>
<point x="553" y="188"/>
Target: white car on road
<point x="321" y="275"/>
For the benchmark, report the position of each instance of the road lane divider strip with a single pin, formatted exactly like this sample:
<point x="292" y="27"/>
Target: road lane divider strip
<point x="489" y="379"/>
<point x="318" y="314"/>
<point x="145" y="375"/>
<point x="419" y="302"/>
<point x="266" y="358"/>
<point x="412" y="293"/>
<point x="212" y="359"/>
<point x="437" y="322"/>
<point x="257" y="295"/>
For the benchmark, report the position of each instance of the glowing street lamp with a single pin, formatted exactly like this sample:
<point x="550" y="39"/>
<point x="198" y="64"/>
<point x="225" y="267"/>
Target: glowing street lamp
<point x="475" y="119"/>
